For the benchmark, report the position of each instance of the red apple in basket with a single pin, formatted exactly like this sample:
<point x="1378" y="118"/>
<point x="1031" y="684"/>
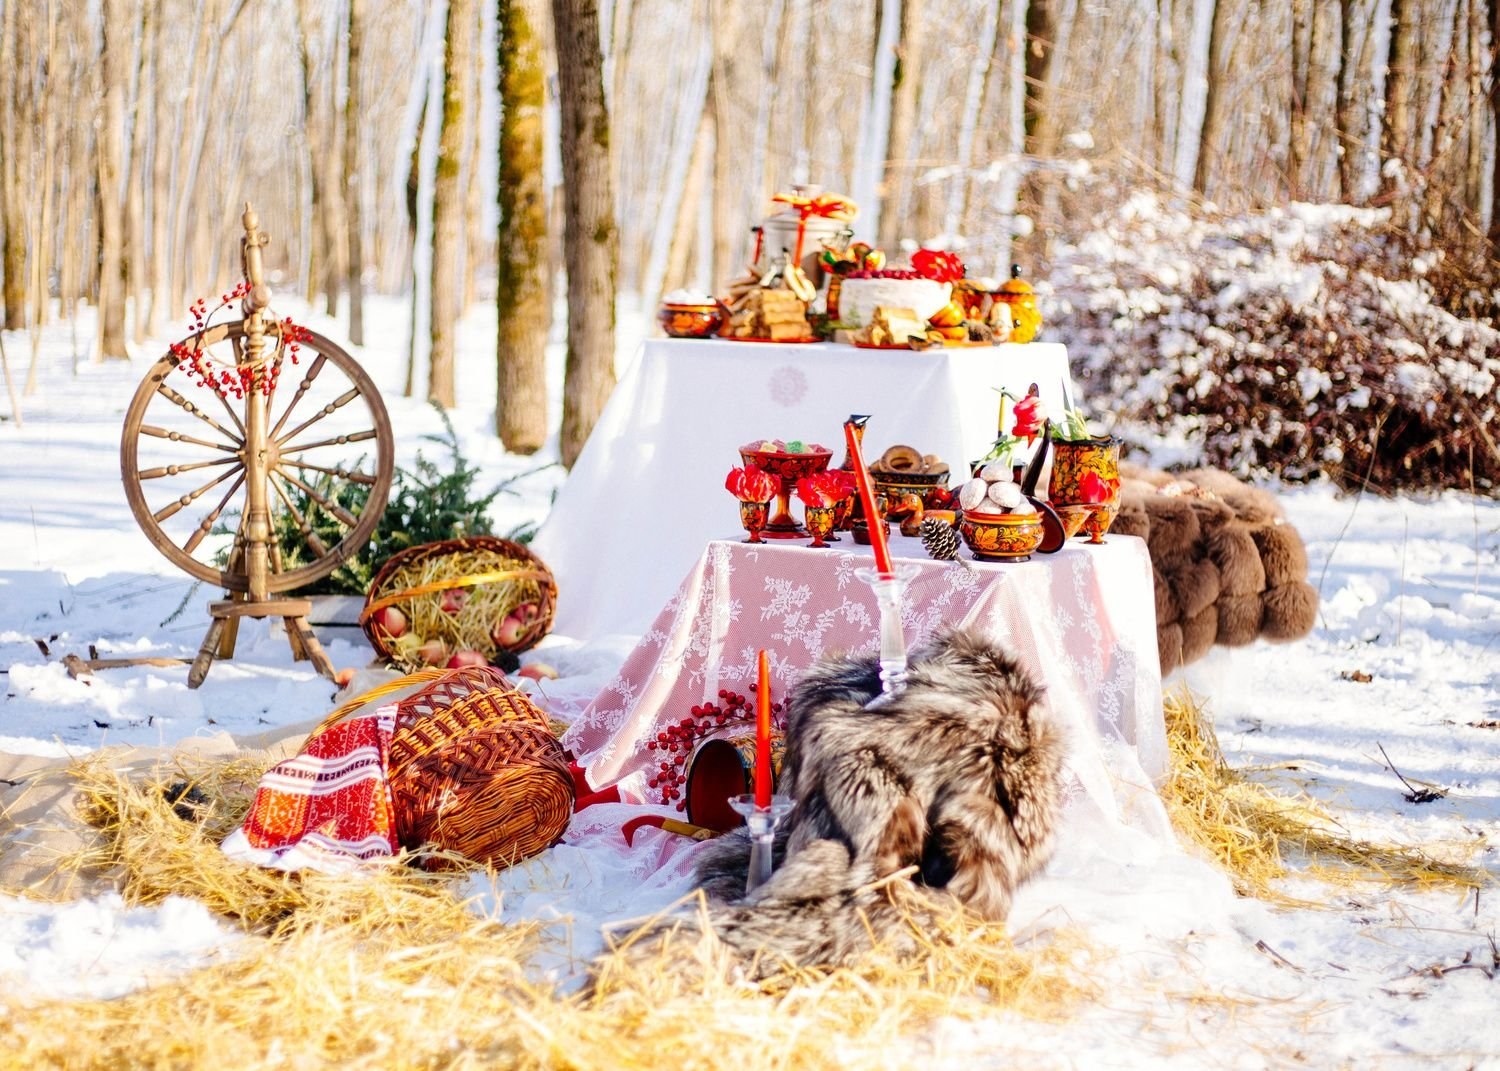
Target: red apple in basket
<point x="454" y="600"/>
<point x="527" y="613"/>
<point x="390" y="621"/>
<point x="467" y="658"/>
<point x="508" y="633"/>
<point x="538" y="671"/>
<point x="433" y="653"/>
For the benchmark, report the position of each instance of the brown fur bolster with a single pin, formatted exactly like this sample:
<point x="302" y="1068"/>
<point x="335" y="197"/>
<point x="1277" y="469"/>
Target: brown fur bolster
<point x="1199" y="633"/>
<point x="1281" y="553"/>
<point x="1174" y="527"/>
<point x="1291" y="610"/>
<point x="1196" y="587"/>
<point x="1233" y="550"/>
<point x="1239" y="619"/>
<point x="1167" y="610"/>
<point x="1169" y="647"/>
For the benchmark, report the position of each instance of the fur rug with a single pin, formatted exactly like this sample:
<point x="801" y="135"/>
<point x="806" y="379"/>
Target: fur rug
<point x="948" y="795"/>
<point x="1229" y="568"/>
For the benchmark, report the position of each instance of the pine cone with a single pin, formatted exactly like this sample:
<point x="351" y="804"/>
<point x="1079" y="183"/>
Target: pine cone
<point x="940" y="538"/>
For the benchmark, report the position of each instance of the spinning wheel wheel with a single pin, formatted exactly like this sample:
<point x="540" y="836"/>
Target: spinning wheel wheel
<point x="257" y="488"/>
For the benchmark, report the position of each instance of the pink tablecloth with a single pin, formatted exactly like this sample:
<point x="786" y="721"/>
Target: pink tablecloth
<point x="1083" y="620"/>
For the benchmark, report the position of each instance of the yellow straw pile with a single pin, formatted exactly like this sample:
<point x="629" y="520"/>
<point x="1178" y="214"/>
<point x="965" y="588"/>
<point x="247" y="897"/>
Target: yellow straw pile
<point x="1247" y="828"/>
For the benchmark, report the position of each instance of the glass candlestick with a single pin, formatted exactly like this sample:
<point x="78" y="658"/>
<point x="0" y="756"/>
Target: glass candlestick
<point x="762" y="822"/>
<point x="888" y="591"/>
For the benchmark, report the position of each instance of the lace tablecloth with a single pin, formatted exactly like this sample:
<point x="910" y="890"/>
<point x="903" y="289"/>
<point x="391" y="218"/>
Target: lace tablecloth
<point x="1082" y="620"/>
<point x="618" y="537"/>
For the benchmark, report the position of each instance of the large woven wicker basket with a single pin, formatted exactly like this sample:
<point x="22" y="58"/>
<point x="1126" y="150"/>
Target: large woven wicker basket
<point x="486" y="576"/>
<point x="474" y="767"/>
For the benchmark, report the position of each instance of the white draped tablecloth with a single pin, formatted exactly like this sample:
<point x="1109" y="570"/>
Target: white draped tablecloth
<point x="1082" y="621"/>
<point x="647" y="491"/>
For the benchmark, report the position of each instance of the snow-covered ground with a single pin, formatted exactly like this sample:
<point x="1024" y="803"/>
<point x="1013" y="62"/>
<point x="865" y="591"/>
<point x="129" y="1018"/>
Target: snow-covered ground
<point x="1411" y="597"/>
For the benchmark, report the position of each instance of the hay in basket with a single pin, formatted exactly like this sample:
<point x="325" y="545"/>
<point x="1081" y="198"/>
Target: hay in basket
<point x="480" y="594"/>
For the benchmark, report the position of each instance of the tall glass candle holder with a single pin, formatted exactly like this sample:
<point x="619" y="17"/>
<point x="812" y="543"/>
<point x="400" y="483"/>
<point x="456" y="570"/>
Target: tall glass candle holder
<point x="762" y="822"/>
<point x="889" y="590"/>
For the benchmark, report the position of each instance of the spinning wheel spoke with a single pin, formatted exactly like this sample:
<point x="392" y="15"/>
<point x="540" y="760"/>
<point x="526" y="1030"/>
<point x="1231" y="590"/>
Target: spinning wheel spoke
<point x="337" y="440"/>
<point x="188" y="499"/>
<point x="178" y="437"/>
<point x="343" y="474"/>
<point x="302" y="388"/>
<point x="310" y="537"/>
<point x="173" y="470"/>
<point x="333" y="509"/>
<point x="207" y="523"/>
<point x="328" y="410"/>
<point x="188" y="407"/>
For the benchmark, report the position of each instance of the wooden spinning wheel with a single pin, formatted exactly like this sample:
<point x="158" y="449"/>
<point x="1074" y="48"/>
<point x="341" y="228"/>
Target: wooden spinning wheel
<point x="257" y="489"/>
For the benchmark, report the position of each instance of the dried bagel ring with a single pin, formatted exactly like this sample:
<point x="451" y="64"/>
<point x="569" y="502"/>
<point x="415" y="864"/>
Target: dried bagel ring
<point x="901" y="459"/>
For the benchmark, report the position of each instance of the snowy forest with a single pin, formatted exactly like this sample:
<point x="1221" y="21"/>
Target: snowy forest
<point x="417" y="148"/>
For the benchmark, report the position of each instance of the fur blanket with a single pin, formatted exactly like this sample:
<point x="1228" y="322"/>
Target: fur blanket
<point x="1229" y="568"/>
<point x="947" y="795"/>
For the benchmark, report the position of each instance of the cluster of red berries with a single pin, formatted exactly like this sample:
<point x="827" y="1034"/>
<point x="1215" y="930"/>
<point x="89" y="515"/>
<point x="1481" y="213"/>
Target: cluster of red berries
<point x="679" y="739"/>
<point x="885" y="273"/>
<point x="235" y="381"/>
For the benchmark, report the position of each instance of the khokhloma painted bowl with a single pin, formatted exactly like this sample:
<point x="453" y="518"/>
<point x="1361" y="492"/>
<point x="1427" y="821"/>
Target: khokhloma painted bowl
<point x="1001" y="537"/>
<point x="691" y="321"/>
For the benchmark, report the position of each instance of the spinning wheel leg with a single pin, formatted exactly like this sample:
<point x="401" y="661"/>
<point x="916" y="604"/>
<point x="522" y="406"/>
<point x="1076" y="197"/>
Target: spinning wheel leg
<point x="205" y="657"/>
<point x="301" y="634"/>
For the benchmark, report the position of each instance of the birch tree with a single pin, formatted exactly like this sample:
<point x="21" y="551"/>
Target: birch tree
<point x="522" y="315"/>
<point x="590" y="236"/>
<point x="447" y="206"/>
<point x="115" y="65"/>
<point x="353" y="173"/>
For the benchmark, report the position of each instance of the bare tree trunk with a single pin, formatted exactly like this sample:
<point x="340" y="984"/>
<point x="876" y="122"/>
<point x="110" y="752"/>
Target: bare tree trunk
<point x="135" y="186"/>
<point x="1349" y="111"/>
<point x="1301" y="133"/>
<point x="1444" y="137"/>
<point x="728" y="55"/>
<point x="161" y="182"/>
<point x="685" y="227"/>
<point x="521" y="242"/>
<point x="1164" y="98"/>
<point x="13" y="252"/>
<point x="1400" y="76"/>
<point x="115" y="66"/>
<point x="905" y="85"/>
<point x="447" y="206"/>
<point x="413" y="190"/>
<point x="590" y="234"/>
<point x="1495" y="108"/>
<point x="1216" y="102"/>
<point x="354" y="177"/>
<point x="1041" y="34"/>
<point x="1474" y="136"/>
<point x="314" y="148"/>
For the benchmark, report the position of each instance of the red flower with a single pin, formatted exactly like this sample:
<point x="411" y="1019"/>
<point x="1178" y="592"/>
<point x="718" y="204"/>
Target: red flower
<point x="750" y="484"/>
<point x="821" y="489"/>
<point x="1029" y="417"/>
<point x="1096" y="489"/>
<point x="938" y="266"/>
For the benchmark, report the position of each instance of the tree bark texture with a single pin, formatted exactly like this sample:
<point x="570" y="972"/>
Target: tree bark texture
<point x="906" y="84"/>
<point x="590" y="237"/>
<point x="1041" y="34"/>
<point x="447" y="207"/>
<point x="1399" y="78"/>
<point x="13" y="251"/>
<point x="1216" y="102"/>
<point x="730" y="121"/>
<point x="522" y="313"/>
<point x="116" y="67"/>
<point x="353" y="174"/>
<point x="135" y="185"/>
<point x="1495" y="109"/>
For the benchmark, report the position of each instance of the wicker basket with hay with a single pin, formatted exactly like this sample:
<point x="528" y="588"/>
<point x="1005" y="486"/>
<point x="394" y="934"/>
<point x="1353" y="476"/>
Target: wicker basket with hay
<point x="474" y="766"/>
<point x="458" y="602"/>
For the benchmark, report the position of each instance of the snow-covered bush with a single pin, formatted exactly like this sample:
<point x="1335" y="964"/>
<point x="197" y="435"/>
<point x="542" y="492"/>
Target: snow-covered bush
<point x="1295" y="342"/>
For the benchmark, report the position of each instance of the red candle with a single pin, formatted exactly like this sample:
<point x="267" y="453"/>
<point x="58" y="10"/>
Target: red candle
<point x="763" y="734"/>
<point x="867" y="499"/>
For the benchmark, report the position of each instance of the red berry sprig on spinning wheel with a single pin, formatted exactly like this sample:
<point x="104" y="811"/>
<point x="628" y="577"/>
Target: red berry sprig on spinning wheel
<point x="678" y="740"/>
<point x="234" y="380"/>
